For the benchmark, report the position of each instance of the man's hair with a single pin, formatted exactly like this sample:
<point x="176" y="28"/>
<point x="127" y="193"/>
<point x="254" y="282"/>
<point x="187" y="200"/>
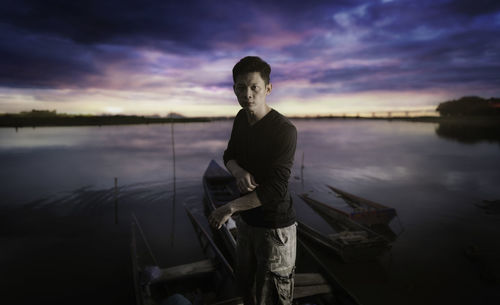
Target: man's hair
<point x="251" y="64"/>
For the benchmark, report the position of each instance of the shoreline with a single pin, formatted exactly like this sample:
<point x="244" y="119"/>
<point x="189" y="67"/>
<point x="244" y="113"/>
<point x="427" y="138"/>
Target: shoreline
<point x="462" y="120"/>
<point x="12" y="121"/>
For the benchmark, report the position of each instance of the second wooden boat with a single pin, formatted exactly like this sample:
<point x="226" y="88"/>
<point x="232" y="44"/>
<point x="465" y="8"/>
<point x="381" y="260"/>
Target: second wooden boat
<point x="362" y="210"/>
<point x="350" y="240"/>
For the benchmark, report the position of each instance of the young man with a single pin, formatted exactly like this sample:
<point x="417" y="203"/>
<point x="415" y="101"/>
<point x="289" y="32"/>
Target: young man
<point x="260" y="156"/>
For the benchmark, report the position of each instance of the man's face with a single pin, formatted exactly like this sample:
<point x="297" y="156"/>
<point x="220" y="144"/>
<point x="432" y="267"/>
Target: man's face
<point x="251" y="91"/>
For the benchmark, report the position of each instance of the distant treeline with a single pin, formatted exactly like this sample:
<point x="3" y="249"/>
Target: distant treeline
<point x="470" y="106"/>
<point x="51" y="118"/>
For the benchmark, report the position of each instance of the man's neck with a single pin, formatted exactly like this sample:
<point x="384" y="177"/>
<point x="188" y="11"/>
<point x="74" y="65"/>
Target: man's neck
<point x="258" y="114"/>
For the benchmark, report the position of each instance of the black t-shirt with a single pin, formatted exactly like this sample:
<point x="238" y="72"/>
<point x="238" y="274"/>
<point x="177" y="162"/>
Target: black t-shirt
<point x="266" y="150"/>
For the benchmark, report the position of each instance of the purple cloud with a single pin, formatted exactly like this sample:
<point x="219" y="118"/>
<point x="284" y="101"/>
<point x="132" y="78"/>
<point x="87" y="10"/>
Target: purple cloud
<point x="341" y="46"/>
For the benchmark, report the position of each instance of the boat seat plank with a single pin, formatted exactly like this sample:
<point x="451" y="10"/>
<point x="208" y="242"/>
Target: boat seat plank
<point x="186" y="270"/>
<point x="306" y="291"/>
<point x="307" y="279"/>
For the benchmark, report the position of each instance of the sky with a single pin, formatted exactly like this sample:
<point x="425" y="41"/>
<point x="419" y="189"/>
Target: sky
<point x="153" y="57"/>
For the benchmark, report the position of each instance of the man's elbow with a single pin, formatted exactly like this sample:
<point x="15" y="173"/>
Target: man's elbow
<point x="272" y="193"/>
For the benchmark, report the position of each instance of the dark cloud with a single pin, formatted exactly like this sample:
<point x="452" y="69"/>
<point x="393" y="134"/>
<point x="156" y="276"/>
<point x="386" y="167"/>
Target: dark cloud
<point x="433" y="44"/>
<point x="472" y="8"/>
<point x="398" y="78"/>
<point x="92" y="22"/>
<point x="192" y="24"/>
<point x="28" y="61"/>
<point x="58" y="44"/>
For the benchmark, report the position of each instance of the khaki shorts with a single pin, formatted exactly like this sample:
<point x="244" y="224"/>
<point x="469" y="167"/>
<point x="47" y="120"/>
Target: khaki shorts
<point x="266" y="263"/>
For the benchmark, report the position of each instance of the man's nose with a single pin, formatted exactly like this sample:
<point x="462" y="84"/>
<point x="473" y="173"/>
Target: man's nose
<point x="249" y="93"/>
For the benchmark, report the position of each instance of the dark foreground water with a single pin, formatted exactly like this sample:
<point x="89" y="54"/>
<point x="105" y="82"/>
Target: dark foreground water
<point x="64" y="240"/>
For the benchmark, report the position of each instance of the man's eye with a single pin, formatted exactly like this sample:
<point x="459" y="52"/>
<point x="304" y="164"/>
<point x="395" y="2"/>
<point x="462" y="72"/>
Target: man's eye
<point x="255" y="88"/>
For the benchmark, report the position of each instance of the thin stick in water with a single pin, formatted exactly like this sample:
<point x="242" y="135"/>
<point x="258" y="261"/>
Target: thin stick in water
<point x="116" y="200"/>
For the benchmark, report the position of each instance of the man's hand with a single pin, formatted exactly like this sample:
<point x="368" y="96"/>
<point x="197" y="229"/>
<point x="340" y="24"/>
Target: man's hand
<point x="220" y="215"/>
<point x="245" y="181"/>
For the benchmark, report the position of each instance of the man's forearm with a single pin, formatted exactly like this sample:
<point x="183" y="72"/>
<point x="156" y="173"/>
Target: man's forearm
<point x="220" y="215"/>
<point x="247" y="202"/>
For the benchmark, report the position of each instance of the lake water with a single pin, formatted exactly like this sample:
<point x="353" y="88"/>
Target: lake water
<point x="63" y="240"/>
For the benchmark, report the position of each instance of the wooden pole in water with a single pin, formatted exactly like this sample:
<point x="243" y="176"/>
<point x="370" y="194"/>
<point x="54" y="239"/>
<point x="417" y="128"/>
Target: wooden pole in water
<point x="116" y="200"/>
<point x="173" y="147"/>
<point x="172" y="236"/>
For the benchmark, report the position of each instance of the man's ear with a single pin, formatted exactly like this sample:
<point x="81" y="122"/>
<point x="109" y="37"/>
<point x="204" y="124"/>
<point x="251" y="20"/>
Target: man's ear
<point x="269" y="88"/>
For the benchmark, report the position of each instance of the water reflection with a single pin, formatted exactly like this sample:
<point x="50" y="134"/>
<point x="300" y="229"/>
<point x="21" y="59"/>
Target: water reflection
<point x="67" y="176"/>
<point x="470" y="132"/>
<point x="69" y="242"/>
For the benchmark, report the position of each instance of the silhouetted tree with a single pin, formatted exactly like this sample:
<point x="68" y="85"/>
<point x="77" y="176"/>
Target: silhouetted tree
<point x="470" y="105"/>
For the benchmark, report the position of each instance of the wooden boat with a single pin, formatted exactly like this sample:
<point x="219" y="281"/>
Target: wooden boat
<point x="351" y="241"/>
<point x="362" y="210"/>
<point x="220" y="188"/>
<point x="209" y="281"/>
<point x="314" y="283"/>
